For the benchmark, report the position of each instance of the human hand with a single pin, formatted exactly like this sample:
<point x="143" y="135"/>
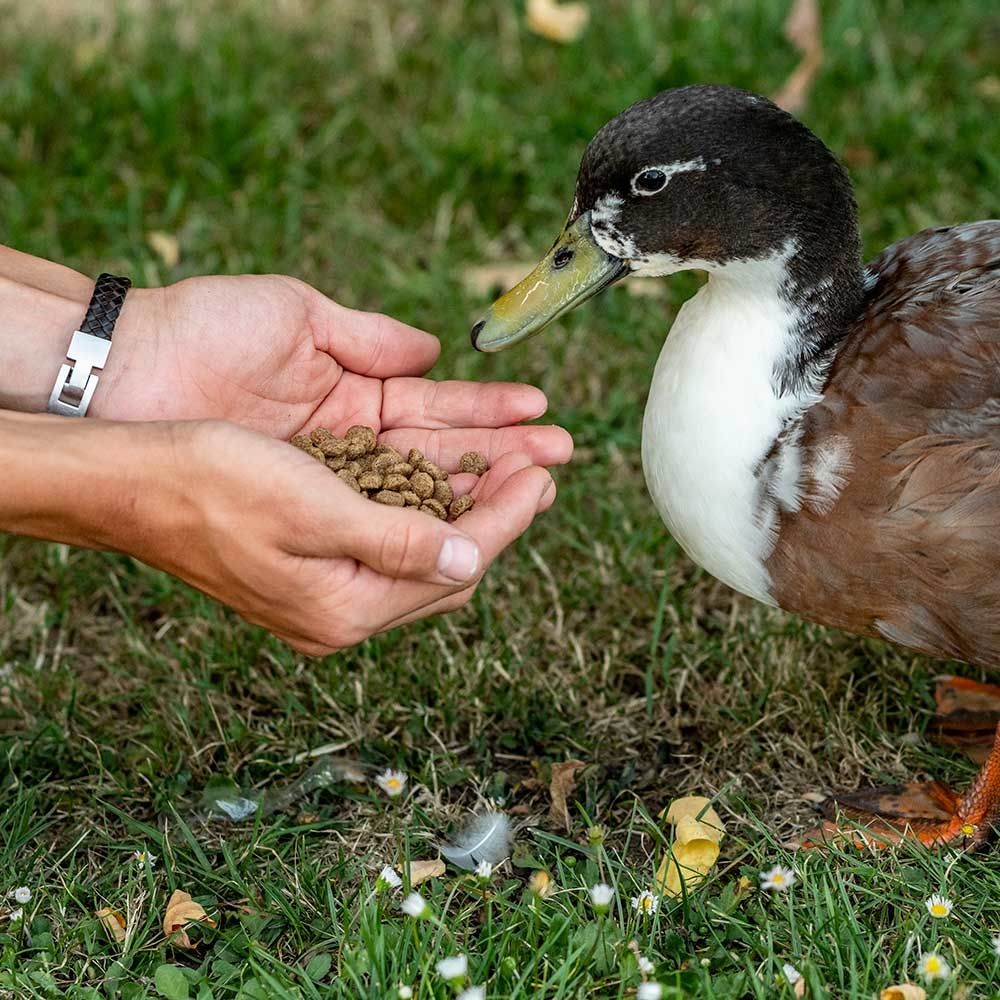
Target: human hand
<point x="269" y="531"/>
<point x="274" y="354"/>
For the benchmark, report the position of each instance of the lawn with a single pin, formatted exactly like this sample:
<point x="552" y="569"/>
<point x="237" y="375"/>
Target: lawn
<point x="383" y="151"/>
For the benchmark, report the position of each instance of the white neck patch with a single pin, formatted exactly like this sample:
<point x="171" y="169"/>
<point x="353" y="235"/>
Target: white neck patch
<point x="713" y="415"/>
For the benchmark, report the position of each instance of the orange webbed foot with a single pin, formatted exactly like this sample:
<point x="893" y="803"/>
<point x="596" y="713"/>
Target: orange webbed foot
<point x="929" y="812"/>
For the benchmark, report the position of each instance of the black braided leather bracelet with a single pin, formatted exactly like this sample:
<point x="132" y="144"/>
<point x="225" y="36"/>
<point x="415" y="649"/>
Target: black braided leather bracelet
<point x="89" y="348"/>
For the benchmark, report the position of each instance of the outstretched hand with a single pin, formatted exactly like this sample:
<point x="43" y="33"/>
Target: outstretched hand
<point x="273" y="354"/>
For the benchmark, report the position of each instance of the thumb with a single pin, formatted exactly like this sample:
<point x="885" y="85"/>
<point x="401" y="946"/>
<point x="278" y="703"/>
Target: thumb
<point x="402" y="543"/>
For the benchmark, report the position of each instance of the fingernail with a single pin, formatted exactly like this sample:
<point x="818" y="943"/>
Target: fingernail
<point x="459" y="558"/>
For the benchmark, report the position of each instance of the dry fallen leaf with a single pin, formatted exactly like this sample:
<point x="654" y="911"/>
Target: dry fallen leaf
<point x="181" y="911"/>
<point x="802" y="29"/>
<point x="967" y="715"/>
<point x="421" y="871"/>
<point x="558" y="22"/>
<point x="905" y="991"/>
<point x="164" y="246"/>
<point x="561" y="786"/>
<point x="113" y="921"/>
<point x="698" y="831"/>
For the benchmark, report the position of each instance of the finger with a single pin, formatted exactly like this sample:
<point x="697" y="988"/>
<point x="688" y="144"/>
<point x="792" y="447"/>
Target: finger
<point x="393" y="542"/>
<point x="495" y="522"/>
<point x="421" y="402"/>
<point x="370" y="343"/>
<point x="543" y="444"/>
<point x="460" y="598"/>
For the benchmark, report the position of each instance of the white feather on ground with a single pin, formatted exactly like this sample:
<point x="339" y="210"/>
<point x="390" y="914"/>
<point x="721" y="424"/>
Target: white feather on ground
<point x="486" y="838"/>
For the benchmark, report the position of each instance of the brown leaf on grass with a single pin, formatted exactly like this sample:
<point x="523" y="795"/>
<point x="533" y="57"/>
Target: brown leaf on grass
<point x="967" y="715"/>
<point x="165" y="246"/>
<point x="802" y="29"/>
<point x="113" y="921"/>
<point x="421" y="871"/>
<point x="698" y="831"/>
<point x="558" y="22"/>
<point x="181" y="911"/>
<point x="561" y="786"/>
<point x="904" y="991"/>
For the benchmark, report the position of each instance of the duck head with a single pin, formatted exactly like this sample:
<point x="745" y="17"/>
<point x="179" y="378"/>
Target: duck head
<point x="694" y="178"/>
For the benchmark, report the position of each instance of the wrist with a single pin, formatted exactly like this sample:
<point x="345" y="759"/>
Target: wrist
<point x="87" y="483"/>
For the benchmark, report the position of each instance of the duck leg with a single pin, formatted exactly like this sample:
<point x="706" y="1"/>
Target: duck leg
<point x="930" y="813"/>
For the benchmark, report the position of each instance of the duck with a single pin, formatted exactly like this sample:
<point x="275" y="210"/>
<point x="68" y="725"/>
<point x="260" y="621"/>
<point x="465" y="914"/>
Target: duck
<point x="821" y="434"/>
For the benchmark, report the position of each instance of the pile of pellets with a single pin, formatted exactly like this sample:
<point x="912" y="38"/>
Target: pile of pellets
<point x="382" y="474"/>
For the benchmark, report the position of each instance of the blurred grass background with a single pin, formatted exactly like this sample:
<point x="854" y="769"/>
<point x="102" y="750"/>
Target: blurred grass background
<point x="381" y="150"/>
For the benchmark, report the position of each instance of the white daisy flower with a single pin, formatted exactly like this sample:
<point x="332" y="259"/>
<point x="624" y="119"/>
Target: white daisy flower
<point x="391" y="782"/>
<point x="452" y="968"/>
<point x="645" y="965"/>
<point x="472" y="993"/>
<point x="779" y="878"/>
<point x="404" y="992"/>
<point x="146" y="858"/>
<point x="388" y="879"/>
<point x="649" y="991"/>
<point x="484" y="870"/>
<point x="996" y="944"/>
<point x="791" y="973"/>
<point x="601" y="895"/>
<point x="415" y="905"/>
<point x="645" y="903"/>
<point x="933" y="966"/>
<point x="939" y="906"/>
<point x="15" y="915"/>
<point x="22" y="894"/>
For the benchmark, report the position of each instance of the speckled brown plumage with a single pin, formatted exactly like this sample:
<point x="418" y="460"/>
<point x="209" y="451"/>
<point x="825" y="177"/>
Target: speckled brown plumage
<point x="910" y="550"/>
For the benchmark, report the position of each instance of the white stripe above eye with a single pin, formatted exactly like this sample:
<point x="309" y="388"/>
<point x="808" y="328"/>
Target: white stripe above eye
<point x="669" y="169"/>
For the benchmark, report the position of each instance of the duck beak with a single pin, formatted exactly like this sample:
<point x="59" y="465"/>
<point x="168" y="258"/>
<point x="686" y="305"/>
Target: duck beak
<point x="575" y="269"/>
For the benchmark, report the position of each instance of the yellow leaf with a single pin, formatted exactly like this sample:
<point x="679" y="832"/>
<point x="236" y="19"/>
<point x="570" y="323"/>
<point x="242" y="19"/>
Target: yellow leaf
<point x="421" y="871"/>
<point x="164" y="246"/>
<point x="114" y="922"/>
<point x="699" y="808"/>
<point x="558" y="22"/>
<point x="181" y="911"/>
<point x="698" y="831"/>
<point x="905" y="991"/>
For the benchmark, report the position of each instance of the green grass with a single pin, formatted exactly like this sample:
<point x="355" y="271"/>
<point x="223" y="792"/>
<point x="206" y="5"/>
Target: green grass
<point x="379" y="150"/>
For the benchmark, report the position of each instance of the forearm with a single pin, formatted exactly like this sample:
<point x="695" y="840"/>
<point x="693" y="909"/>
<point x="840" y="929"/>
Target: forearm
<point x="89" y="483"/>
<point x="41" y="304"/>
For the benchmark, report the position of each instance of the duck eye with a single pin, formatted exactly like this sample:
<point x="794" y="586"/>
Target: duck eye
<point x="649" y="181"/>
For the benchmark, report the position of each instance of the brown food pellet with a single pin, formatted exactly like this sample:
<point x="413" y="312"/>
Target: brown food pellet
<point x="435" y="508"/>
<point x="394" y="481"/>
<point x="362" y="435"/>
<point x="460" y="505"/>
<point x="473" y="461"/>
<point x="335" y="447"/>
<point x="443" y="492"/>
<point x="434" y="471"/>
<point x="389" y="498"/>
<point x="380" y="473"/>
<point x="350" y="479"/>
<point x="422" y="484"/>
